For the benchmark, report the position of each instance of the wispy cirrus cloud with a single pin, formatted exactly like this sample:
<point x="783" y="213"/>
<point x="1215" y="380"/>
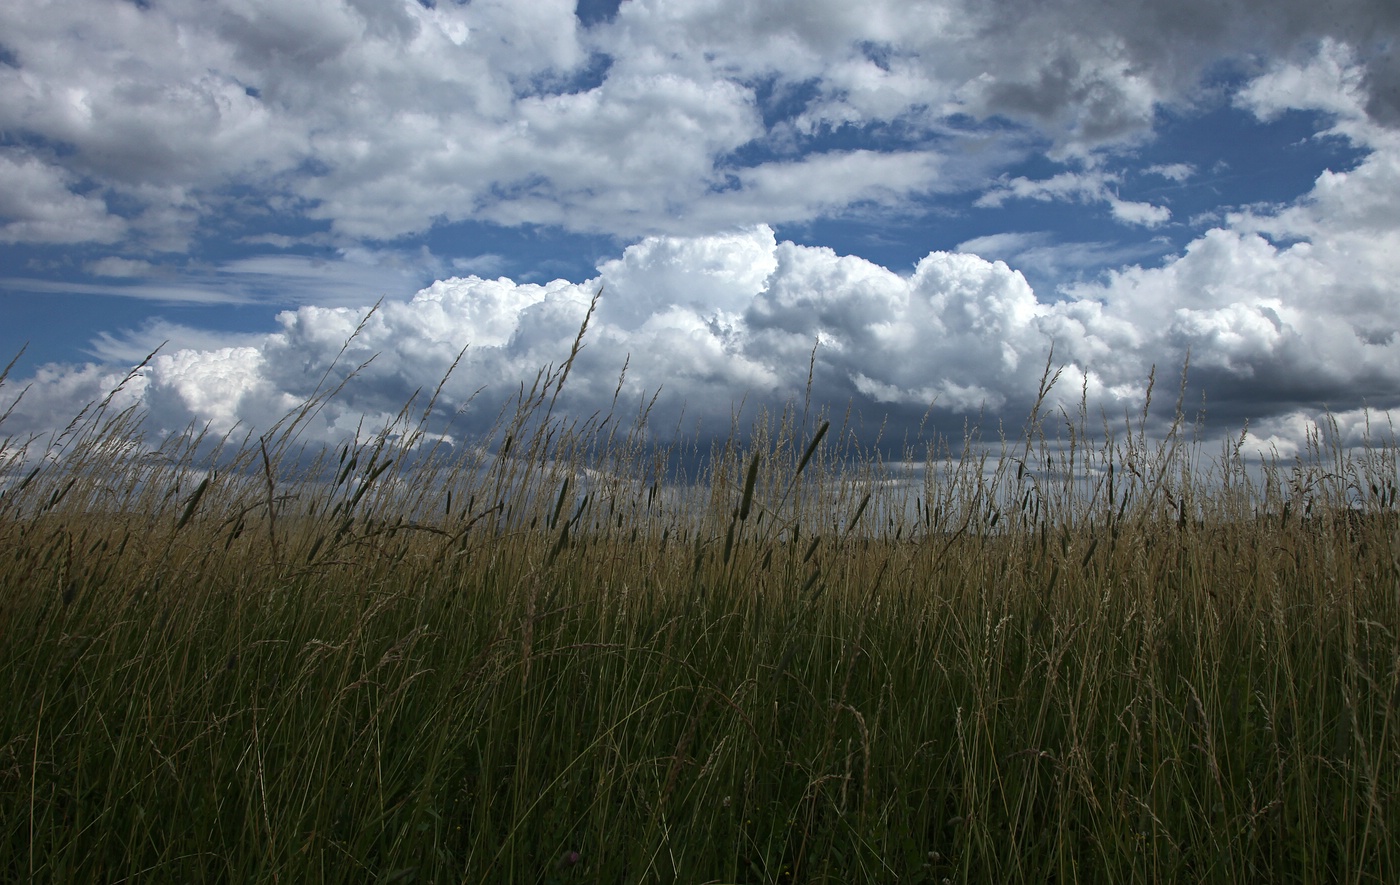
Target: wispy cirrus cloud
<point x="1091" y="187"/>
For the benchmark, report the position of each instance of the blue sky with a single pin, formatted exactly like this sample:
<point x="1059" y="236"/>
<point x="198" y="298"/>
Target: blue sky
<point x="933" y="193"/>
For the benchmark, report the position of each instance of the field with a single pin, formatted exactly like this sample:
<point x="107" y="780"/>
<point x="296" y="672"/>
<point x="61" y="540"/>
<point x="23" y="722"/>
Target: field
<point x="573" y="654"/>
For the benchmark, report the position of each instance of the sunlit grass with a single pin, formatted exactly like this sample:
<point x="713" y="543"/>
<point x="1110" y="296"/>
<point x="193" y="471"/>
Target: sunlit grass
<point x="1072" y="656"/>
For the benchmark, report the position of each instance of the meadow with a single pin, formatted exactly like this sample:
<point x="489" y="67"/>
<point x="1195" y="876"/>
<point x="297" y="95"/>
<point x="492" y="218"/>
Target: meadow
<point x="572" y="653"/>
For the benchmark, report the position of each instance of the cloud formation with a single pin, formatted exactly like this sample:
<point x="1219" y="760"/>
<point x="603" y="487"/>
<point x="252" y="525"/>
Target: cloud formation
<point x="1282" y="314"/>
<point x="688" y="127"/>
<point x="141" y="122"/>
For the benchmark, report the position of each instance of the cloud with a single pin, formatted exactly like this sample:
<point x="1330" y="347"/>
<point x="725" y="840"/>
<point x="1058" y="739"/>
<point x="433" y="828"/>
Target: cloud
<point x="1006" y="243"/>
<point x="853" y="181"/>
<point x="1042" y="256"/>
<point x="1097" y="69"/>
<point x="1177" y="172"/>
<point x="705" y="320"/>
<point x="485" y="264"/>
<point x="1269" y="328"/>
<point x="46" y="402"/>
<point x="1094" y="186"/>
<point x="719" y="274"/>
<point x="383" y="120"/>
<point x="1090" y="98"/>
<point x="1330" y="81"/>
<point x="1133" y="212"/>
<point x="127" y="347"/>
<point x="37" y="205"/>
<point x="353" y="276"/>
<point x="350" y="276"/>
<point x="115" y="267"/>
<point x="151" y="290"/>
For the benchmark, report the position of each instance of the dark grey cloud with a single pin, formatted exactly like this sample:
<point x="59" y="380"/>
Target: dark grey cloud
<point x="1095" y="69"/>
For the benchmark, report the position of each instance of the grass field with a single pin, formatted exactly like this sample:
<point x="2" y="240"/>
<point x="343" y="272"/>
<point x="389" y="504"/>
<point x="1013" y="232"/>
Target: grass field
<point x="1072" y="656"/>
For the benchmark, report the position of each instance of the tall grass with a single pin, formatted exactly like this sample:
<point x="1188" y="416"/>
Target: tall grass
<point x="1080" y="655"/>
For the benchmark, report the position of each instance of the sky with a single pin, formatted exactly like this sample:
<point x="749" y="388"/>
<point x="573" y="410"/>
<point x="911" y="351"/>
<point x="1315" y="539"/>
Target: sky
<point x="912" y="203"/>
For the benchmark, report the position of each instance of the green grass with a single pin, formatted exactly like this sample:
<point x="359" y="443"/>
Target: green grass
<point x="1069" y="657"/>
